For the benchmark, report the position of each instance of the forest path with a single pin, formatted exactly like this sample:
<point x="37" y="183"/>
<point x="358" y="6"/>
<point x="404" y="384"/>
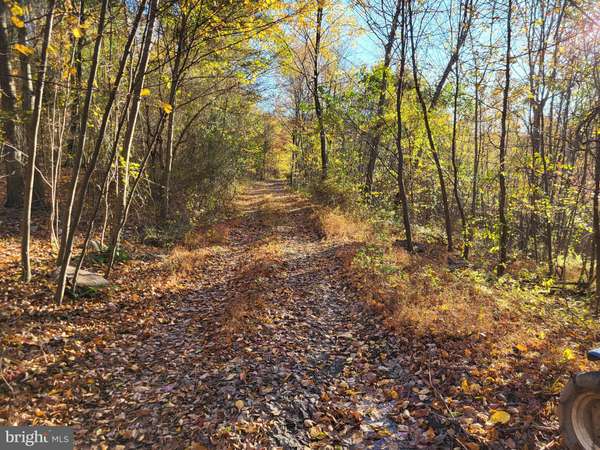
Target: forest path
<point x="269" y="349"/>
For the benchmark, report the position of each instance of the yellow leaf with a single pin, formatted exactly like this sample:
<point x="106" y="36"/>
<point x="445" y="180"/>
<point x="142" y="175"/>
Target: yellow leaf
<point x="464" y="385"/>
<point x="500" y="417"/>
<point x="239" y="404"/>
<point x="167" y="108"/>
<point x="317" y="433"/>
<point x="521" y="347"/>
<point x="17" y="22"/>
<point x="16" y="10"/>
<point x="568" y="354"/>
<point x="393" y="394"/>
<point x="69" y="71"/>
<point x="145" y="92"/>
<point x="23" y="49"/>
<point x="76" y="32"/>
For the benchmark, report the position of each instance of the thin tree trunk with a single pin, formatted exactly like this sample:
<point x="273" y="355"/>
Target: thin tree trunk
<point x="474" y="187"/>
<point x="75" y="106"/>
<point x="503" y="252"/>
<point x="463" y="32"/>
<point x="130" y="131"/>
<point x="164" y="210"/>
<point x="66" y="231"/>
<point x="596" y="223"/>
<point x="399" y="125"/>
<point x="455" y="185"/>
<point x="316" y="97"/>
<point x="380" y="112"/>
<point x="75" y="212"/>
<point x="436" y="158"/>
<point x="34" y="130"/>
<point x="27" y="97"/>
<point x="175" y="80"/>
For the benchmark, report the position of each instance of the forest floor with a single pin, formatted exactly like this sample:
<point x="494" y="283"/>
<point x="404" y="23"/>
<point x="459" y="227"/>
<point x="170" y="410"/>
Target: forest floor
<point x="248" y="335"/>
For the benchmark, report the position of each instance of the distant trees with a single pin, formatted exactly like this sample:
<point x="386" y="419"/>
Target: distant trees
<point x="466" y="144"/>
<point x="476" y="115"/>
<point x="101" y="103"/>
<point x="309" y="52"/>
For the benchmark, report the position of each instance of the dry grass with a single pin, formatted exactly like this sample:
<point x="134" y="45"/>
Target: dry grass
<point x="415" y="292"/>
<point x="495" y="323"/>
<point x="185" y="261"/>
<point x="439" y="303"/>
<point x="334" y="225"/>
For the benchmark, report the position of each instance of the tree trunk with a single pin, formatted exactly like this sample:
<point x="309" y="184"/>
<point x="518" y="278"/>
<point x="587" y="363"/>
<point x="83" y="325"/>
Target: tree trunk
<point x="14" y="169"/>
<point x="376" y="137"/>
<point x="474" y="187"/>
<point x="503" y="252"/>
<point x="33" y="139"/>
<point x="455" y="184"/>
<point x="69" y="225"/>
<point x="175" y="79"/>
<point x="130" y="131"/>
<point x="400" y="170"/>
<point x="27" y="98"/>
<point x="463" y="32"/>
<point x="436" y="158"/>
<point x="74" y="123"/>
<point x="317" y="99"/>
<point x="596" y="223"/>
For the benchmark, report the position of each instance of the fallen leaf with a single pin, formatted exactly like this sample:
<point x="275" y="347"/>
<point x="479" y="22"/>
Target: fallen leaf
<point x="568" y="354"/>
<point x="317" y="433"/>
<point x="521" y="347"/>
<point x="500" y="417"/>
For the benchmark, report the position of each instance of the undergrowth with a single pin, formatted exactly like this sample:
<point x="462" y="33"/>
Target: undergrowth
<point x="496" y="341"/>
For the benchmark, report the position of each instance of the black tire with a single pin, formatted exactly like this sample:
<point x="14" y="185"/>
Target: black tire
<point x="580" y="396"/>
